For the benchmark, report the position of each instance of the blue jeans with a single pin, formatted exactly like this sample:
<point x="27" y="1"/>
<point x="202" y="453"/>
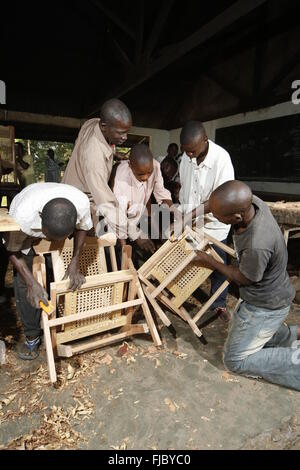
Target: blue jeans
<point x="258" y="344"/>
<point x="217" y="279"/>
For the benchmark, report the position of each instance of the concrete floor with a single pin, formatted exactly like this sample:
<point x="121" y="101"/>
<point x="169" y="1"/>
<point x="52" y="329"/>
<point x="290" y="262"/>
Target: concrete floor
<point x="179" y="397"/>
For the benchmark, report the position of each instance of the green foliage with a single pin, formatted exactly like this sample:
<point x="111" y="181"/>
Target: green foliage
<point x="38" y="150"/>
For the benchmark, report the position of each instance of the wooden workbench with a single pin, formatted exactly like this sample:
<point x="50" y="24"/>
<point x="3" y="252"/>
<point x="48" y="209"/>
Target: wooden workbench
<point x="7" y="223"/>
<point x="286" y="212"/>
<point x="287" y="215"/>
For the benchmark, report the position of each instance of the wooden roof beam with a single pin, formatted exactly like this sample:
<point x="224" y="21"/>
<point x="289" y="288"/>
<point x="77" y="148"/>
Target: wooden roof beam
<point x="110" y="14"/>
<point x="141" y="73"/>
<point x="158" y="26"/>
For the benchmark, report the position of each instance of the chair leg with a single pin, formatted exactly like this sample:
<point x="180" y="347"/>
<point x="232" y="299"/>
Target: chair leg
<point x="160" y="312"/>
<point x="148" y="317"/>
<point x="49" y="349"/>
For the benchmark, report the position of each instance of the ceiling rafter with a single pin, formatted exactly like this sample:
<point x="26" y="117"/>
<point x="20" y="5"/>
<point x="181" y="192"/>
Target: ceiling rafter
<point x="142" y="72"/>
<point x="111" y="15"/>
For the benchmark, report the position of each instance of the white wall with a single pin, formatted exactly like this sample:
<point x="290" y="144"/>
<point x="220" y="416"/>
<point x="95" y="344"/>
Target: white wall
<point x="159" y="139"/>
<point x="280" y="110"/>
<point x="283" y="109"/>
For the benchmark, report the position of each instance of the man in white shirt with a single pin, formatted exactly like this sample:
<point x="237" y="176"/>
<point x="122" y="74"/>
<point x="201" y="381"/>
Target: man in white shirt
<point x="43" y="210"/>
<point x="205" y="166"/>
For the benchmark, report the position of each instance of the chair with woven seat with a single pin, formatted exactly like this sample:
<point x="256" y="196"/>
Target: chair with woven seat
<point x="105" y="302"/>
<point x="171" y="276"/>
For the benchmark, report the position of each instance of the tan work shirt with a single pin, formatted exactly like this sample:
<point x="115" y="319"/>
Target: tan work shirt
<point x="89" y="170"/>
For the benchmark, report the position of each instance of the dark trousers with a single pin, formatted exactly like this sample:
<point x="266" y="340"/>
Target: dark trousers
<point x="216" y="279"/>
<point x="30" y="316"/>
<point x="3" y="266"/>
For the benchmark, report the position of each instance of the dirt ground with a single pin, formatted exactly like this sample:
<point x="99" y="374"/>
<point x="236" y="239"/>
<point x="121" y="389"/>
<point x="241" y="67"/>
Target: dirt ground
<point x="133" y="396"/>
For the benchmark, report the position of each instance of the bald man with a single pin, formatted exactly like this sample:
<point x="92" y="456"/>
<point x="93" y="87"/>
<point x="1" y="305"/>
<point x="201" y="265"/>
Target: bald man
<point x="134" y="182"/>
<point x="91" y="162"/>
<point x="258" y="343"/>
<point x="205" y="166"/>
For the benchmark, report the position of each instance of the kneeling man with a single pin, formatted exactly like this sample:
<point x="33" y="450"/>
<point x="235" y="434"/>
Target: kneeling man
<point x="258" y="343"/>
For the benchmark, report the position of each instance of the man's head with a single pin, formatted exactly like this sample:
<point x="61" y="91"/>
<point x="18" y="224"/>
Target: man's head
<point x="115" y="121"/>
<point x="141" y="162"/>
<point x="169" y="169"/>
<point x="19" y="149"/>
<point x="193" y="140"/>
<point x="172" y="150"/>
<point x="231" y="202"/>
<point x="50" y="153"/>
<point x="59" y="217"/>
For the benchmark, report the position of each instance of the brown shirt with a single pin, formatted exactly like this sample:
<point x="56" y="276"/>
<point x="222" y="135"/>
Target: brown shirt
<point x="89" y="170"/>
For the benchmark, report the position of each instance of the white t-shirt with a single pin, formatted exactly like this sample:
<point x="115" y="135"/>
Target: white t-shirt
<point x="26" y="206"/>
<point x="199" y="181"/>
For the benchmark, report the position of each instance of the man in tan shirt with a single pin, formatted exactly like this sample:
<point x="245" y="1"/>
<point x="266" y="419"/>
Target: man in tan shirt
<point x="91" y="162"/>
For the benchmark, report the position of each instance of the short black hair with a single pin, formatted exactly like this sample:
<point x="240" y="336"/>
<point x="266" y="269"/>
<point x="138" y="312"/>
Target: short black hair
<point x="20" y="145"/>
<point x="172" y="144"/>
<point x="115" y="110"/>
<point x="140" y="155"/>
<point x="59" y="216"/>
<point x="191" y="131"/>
<point x="50" y="151"/>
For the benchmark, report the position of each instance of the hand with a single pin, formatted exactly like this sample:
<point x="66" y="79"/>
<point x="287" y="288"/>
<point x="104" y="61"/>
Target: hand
<point x="76" y="278"/>
<point x="204" y="260"/>
<point x="145" y="244"/>
<point x="35" y="294"/>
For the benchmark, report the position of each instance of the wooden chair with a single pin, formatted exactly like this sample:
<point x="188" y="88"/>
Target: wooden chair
<point x="105" y="302"/>
<point x="171" y="275"/>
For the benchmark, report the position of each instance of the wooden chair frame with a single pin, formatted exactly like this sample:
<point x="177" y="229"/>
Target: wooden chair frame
<point x="126" y="295"/>
<point x="179" y="276"/>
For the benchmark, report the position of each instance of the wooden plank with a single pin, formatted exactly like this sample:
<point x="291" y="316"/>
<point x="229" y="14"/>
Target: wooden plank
<point x="64" y="350"/>
<point x="191" y="322"/>
<point x="90" y="329"/>
<point x="157" y="308"/>
<point x="210" y="301"/>
<point x="45" y="119"/>
<point x="7" y="223"/>
<point x="49" y="350"/>
<point x="106" y="341"/>
<point x="161" y="297"/>
<point x="148" y="317"/>
<point x="221" y="245"/>
<point x="113" y="258"/>
<point x="215" y="254"/>
<point x="91" y="314"/>
<point x="97" y="280"/>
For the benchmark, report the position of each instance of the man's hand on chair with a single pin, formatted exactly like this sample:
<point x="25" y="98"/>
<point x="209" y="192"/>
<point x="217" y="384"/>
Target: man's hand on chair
<point x="204" y="260"/>
<point x="145" y="244"/>
<point x="76" y="278"/>
<point x="36" y="293"/>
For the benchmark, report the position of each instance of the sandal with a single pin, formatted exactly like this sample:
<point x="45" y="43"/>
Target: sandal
<point x="30" y="350"/>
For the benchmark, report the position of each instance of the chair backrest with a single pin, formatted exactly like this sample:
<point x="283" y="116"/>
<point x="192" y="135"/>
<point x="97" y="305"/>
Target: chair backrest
<point x="92" y="259"/>
<point x="92" y="262"/>
<point x="169" y="257"/>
